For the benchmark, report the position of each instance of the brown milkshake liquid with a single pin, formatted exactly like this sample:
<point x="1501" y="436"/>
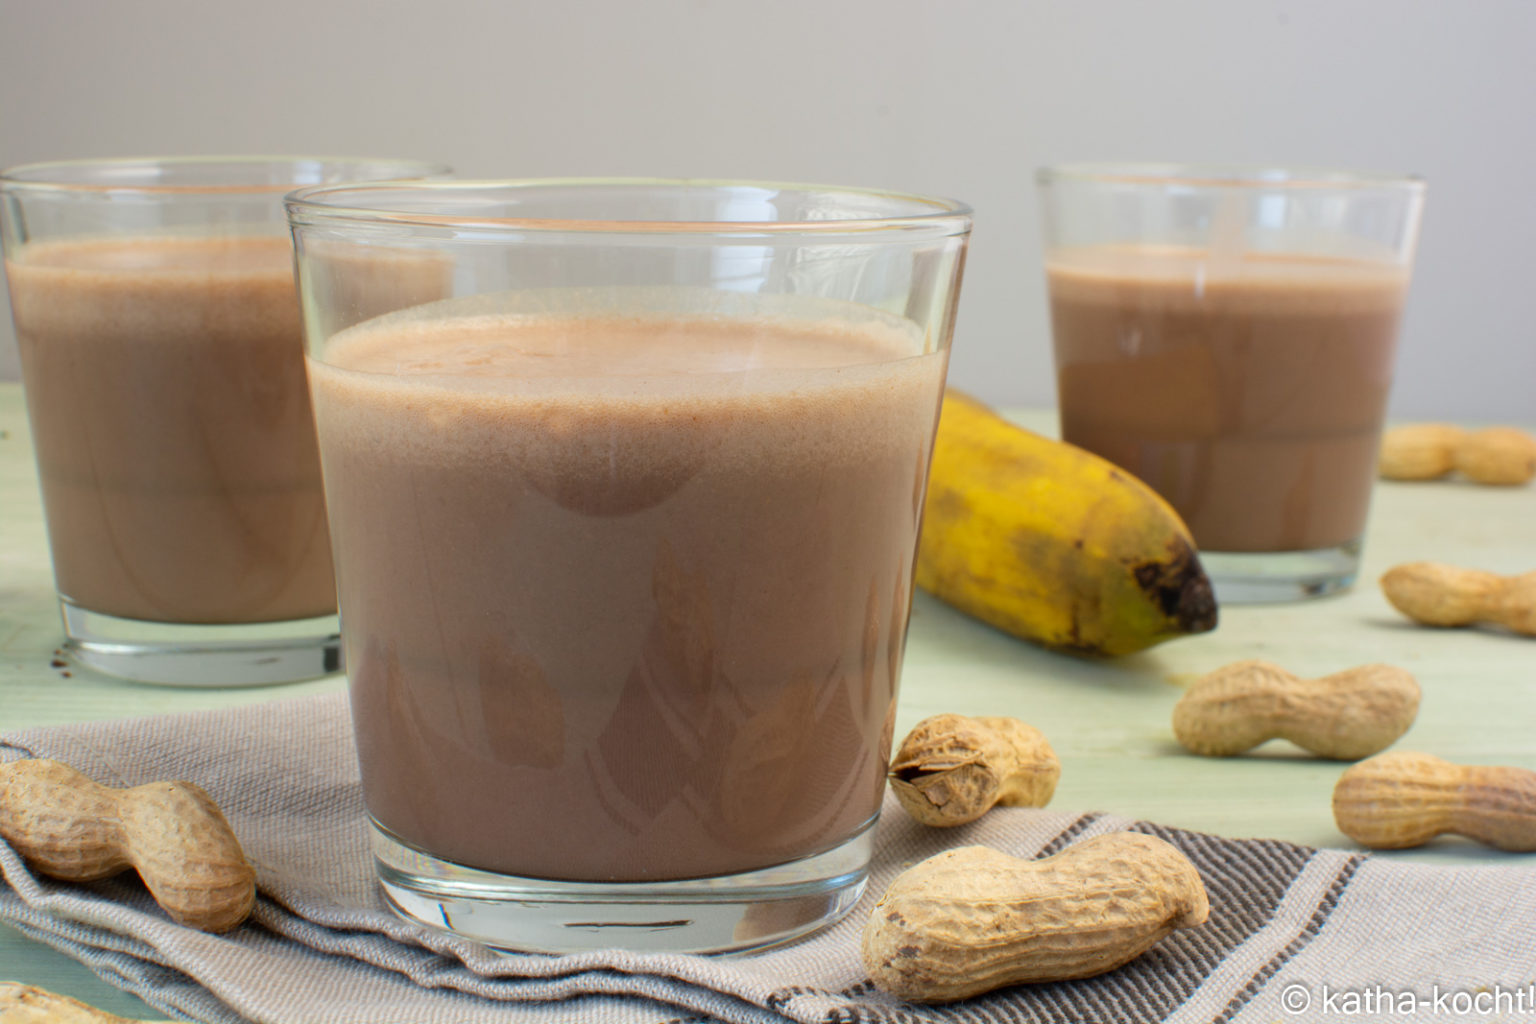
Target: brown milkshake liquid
<point x="1249" y="393"/>
<point x="624" y="598"/>
<point x="165" y="381"/>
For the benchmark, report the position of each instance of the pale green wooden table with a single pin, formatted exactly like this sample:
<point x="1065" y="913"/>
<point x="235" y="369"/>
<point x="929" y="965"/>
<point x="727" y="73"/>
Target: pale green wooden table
<point x="1108" y="721"/>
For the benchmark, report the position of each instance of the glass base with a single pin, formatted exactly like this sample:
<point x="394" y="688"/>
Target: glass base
<point x="1267" y="577"/>
<point x="725" y="914"/>
<point x="255" y="654"/>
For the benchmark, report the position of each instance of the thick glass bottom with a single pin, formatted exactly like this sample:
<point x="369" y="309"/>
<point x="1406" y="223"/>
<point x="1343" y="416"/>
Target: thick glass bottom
<point x="1267" y="577"/>
<point x="175" y="654"/>
<point x="724" y="914"/>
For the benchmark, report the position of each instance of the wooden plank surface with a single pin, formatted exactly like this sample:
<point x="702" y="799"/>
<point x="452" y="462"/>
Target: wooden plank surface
<point x="1109" y="721"/>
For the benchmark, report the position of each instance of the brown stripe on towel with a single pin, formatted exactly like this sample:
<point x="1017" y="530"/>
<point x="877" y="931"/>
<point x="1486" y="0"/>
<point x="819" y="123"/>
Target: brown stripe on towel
<point x="1314" y="924"/>
<point x="1067" y="835"/>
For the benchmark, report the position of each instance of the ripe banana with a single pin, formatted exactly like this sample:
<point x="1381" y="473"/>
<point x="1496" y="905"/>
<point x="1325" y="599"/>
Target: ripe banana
<point x="1053" y="544"/>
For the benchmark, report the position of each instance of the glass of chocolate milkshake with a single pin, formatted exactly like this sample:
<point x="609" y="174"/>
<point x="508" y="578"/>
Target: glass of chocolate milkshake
<point x="624" y="533"/>
<point x="1227" y="334"/>
<point x="163" y="366"/>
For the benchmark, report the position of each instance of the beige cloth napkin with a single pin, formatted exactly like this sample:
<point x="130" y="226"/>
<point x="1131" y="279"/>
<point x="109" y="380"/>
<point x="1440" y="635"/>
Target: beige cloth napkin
<point x="1294" y="932"/>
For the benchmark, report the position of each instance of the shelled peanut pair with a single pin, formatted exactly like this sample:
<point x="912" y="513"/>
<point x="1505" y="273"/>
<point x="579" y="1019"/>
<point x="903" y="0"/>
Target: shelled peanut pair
<point x="974" y="919"/>
<point x="66" y="826"/>
<point x="1435" y="594"/>
<point x="1502" y="456"/>
<point x="1390" y="801"/>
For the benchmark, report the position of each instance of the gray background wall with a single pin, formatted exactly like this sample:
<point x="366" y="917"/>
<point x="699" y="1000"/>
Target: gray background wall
<point x="961" y="98"/>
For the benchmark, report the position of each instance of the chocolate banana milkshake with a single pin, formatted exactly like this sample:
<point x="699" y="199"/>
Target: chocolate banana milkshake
<point x="1227" y="334"/>
<point x="1249" y="392"/>
<point x="162" y="355"/>
<point x="175" y="444"/>
<point x="624" y="533"/>
<point x="174" y="440"/>
<point x="625" y="596"/>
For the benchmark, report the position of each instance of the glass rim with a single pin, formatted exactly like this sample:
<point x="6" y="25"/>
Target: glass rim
<point x="89" y="176"/>
<point x="1217" y="175"/>
<point x="320" y="204"/>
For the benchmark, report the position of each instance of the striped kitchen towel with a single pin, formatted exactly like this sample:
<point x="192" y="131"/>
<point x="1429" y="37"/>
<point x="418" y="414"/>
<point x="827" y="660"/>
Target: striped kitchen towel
<point x="1294" y="933"/>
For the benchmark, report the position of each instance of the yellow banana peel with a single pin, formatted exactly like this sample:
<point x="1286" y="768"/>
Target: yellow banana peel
<point x="1053" y="544"/>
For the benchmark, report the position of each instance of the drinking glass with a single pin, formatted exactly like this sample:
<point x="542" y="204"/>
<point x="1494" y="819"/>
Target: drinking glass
<point x="624" y="531"/>
<point x="1227" y="335"/>
<point x="162" y="361"/>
